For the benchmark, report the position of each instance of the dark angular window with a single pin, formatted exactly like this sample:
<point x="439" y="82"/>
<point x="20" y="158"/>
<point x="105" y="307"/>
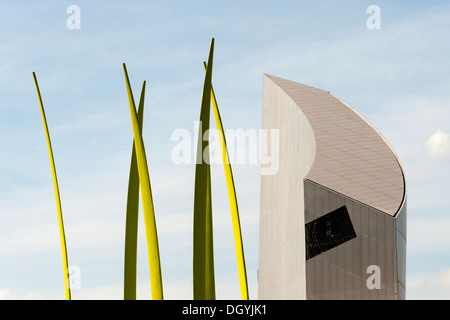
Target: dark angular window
<point x="328" y="231"/>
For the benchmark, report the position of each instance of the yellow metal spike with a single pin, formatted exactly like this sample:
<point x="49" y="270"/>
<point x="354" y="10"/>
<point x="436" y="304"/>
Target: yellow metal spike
<point x="57" y="195"/>
<point x="147" y="200"/>
<point x="131" y="225"/>
<point x="232" y="198"/>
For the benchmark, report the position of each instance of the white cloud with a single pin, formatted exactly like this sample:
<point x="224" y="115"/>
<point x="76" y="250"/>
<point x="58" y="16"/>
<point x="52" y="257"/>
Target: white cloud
<point x="438" y="144"/>
<point x="5" y="294"/>
<point x="432" y="286"/>
<point x="107" y="292"/>
<point x="173" y="290"/>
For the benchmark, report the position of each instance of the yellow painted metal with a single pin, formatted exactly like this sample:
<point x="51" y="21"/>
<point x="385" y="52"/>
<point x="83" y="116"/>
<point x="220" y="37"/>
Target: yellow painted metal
<point x="57" y="196"/>
<point x="232" y="199"/>
<point x="131" y="225"/>
<point x="203" y="250"/>
<point x="147" y="200"/>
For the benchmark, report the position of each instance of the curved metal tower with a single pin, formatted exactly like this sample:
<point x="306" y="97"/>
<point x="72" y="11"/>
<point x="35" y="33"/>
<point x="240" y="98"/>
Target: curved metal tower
<point x="333" y="218"/>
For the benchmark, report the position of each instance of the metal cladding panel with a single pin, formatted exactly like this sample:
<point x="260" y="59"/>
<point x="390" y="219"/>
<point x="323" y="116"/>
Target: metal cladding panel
<point x="352" y="157"/>
<point x="281" y="273"/>
<point x="329" y="157"/>
<point x="342" y="272"/>
<point x="401" y="252"/>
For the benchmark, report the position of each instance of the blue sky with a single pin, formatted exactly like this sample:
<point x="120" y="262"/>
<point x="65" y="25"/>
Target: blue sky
<point x="396" y="77"/>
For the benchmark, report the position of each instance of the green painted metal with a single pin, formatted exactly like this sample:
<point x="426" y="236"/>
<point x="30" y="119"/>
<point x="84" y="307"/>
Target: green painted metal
<point x="240" y="257"/>
<point x="132" y="213"/>
<point x="147" y="199"/>
<point x="203" y="247"/>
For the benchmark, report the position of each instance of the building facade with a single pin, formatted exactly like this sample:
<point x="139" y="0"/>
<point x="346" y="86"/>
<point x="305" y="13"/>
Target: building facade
<point x="333" y="218"/>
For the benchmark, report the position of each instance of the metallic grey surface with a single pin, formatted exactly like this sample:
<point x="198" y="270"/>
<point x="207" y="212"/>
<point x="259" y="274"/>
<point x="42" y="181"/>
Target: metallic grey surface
<point x="281" y="272"/>
<point x="329" y="157"/>
<point x="401" y="252"/>
<point x="341" y="272"/>
<point x="351" y="156"/>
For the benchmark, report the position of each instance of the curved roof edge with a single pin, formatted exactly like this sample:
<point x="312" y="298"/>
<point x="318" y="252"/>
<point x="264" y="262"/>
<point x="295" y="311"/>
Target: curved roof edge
<point x="352" y="157"/>
<point x="388" y="144"/>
